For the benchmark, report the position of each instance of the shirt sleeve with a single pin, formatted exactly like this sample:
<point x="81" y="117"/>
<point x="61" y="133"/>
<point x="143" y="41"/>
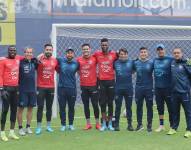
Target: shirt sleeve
<point x="1" y="72"/>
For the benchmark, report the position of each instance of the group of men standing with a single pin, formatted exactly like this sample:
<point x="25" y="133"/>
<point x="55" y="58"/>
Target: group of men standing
<point x="104" y="76"/>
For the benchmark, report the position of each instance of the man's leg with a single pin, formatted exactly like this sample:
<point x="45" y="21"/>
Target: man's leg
<point x="128" y="105"/>
<point x="176" y="112"/>
<point x="186" y="103"/>
<point x="103" y="104"/>
<point x="71" y="104"/>
<point x="29" y="118"/>
<point x="13" y="114"/>
<point x="40" y="106"/>
<point x="85" y="99"/>
<point x="94" y="100"/>
<point x="118" y="104"/>
<point x="49" y="102"/>
<point x="32" y="99"/>
<point x="168" y="100"/>
<point x="110" y="94"/>
<point x="149" y="105"/>
<point x="5" y="109"/>
<point x="62" y="107"/>
<point x="139" y="98"/>
<point x="159" y="94"/>
<point x="20" y="119"/>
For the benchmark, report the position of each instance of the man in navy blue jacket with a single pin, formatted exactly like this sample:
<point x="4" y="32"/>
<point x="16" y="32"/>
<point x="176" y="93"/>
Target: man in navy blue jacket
<point x="181" y="78"/>
<point x="144" y="88"/>
<point x="67" y="87"/>
<point x="27" y="89"/>
<point x="123" y="87"/>
<point x="162" y="76"/>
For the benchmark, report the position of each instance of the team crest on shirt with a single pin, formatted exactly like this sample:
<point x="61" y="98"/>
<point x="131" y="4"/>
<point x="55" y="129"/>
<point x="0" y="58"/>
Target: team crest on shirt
<point x="180" y="67"/>
<point x="52" y="63"/>
<point x="110" y="57"/>
<point x="90" y="62"/>
<point x="17" y="61"/>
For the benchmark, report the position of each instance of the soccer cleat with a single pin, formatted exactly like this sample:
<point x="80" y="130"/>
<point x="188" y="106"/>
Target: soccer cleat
<point x="38" y="131"/>
<point x="160" y="129"/>
<point x="12" y="135"/>
<point x="88" y="126"/>
<point x="63" y="128"/>
<point x="117" y="128"/>
<point x="71" y="128"/>
<point x="149" y="128"/>
<point x="22" y="132"/>
<point x="139" y="127"/>
<point x="130" y="128"/>
<point x="3" y="136"/>
<point x="187" y="134"/>
<point x="103" y="127"/>
<point x="49" y="129"/>
<point x="98" y="126"/>
<point x="171" y="131"/>
<point x="29" y="131"/>
<point x="110" y="127"/>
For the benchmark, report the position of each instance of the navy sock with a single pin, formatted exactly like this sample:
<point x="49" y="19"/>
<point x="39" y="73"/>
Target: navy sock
<point x="161" y="122"/>
<point x="28" y="126"/>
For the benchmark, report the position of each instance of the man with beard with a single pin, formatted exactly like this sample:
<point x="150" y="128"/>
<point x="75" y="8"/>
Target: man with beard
<point x="45" y="86"/>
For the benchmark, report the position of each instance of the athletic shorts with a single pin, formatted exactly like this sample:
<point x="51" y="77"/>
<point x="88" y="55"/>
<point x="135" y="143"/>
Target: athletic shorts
<point x="27" y="99"/>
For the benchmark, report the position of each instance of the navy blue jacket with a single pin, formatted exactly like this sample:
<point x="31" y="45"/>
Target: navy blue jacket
<point x="144" y="73"/>
<point x="181" y="73"/>
<point x="162" y="72"/>
<point x="123" y="72"/>
<point x="67" y="73"/>
<point x="27" y="75"/>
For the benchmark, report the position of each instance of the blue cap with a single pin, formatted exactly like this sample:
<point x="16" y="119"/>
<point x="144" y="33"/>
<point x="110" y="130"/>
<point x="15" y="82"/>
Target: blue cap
<point x="160" y="46"/>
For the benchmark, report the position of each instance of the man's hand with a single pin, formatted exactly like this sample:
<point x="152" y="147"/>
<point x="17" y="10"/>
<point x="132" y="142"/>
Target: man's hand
<point x="4" y="94"/>
<point x="188" y="62"/>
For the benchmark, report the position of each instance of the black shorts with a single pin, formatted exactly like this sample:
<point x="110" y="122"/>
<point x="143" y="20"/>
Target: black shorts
<point x="27" y="99"/>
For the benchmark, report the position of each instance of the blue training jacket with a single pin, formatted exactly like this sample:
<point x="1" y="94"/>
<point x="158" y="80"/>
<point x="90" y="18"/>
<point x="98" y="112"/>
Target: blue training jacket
<point x="123" y="72"/>
<point x="162" y="72"/>
<point x="144" y="73"/>
<point x="27" y="77"/>
<point x="67" y="73"/>
<point x="180" y="73"/>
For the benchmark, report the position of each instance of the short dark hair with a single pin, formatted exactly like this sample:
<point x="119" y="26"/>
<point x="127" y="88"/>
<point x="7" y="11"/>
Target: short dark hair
<point x="48" y="44"/>
<point x="104" y="40"/>
<point x="85" y="44"/>
<point x="69" y="50"/>
<point x="123" y="50"/>
<point x="143" y="48"/>
<point x="11" y="46"/>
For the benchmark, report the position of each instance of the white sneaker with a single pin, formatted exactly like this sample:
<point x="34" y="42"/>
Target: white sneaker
<point x="160" y="129"/>
<point x="28" y="130"/>
<point x="22" y="132"/>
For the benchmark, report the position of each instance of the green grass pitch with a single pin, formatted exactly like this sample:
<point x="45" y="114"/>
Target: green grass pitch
<point x="95" y="140"/>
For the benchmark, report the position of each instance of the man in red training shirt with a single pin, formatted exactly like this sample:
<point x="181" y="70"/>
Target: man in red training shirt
<point x="88" y="83"/>
<point x="106" y="75"/>
<point x="45" y="86"/>
<point x="9" y="75"/>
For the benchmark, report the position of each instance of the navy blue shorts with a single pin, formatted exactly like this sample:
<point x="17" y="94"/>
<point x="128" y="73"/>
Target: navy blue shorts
<point x="27" y="99"/>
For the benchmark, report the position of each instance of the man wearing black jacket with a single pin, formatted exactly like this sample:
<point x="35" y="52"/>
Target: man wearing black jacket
<point x="181" y="73"/>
